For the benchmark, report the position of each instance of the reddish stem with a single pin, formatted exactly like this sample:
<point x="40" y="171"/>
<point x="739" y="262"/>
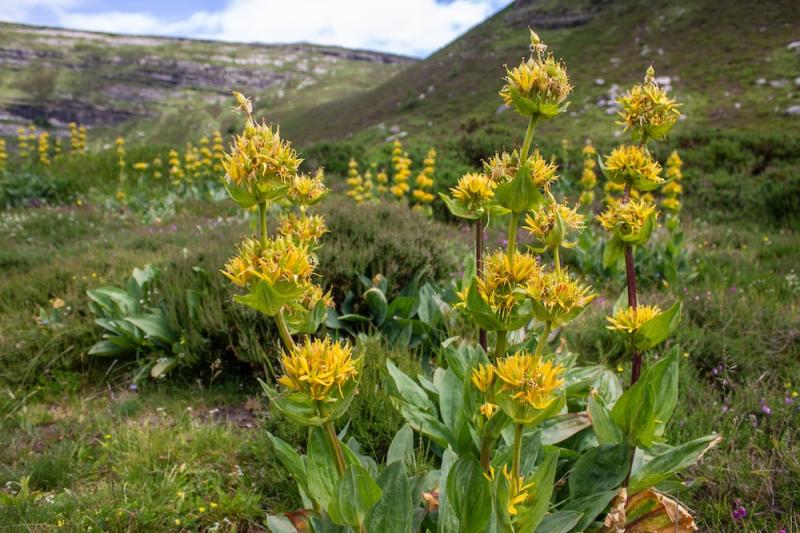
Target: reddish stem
<point x="630" y="274"/>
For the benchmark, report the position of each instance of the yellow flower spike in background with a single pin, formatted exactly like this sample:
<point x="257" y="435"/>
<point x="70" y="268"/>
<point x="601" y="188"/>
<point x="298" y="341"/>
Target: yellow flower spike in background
<point x="44" y="148"/>
<point x="633" y="165"/>
<point x="630" y="320"/>
<point x="319" y="368"/>
<point x="3" y="155"/>
<point x="588" y="180"/>
<point x="647" y="111"/>
<point x="539" y="85"/>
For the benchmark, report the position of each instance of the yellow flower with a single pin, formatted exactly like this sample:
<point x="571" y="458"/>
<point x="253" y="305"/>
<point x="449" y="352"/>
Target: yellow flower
<point x="633" y="165"/>
<point x="630" y="320"/>
<point x="632" y="221"/>
<point x="57" y="303"/>
<point x="497" y="286"/>
<point x="528" y="380"/>
<point x="305" y="190"/>
<point x="473" y="190"/>
<point x="518" y="491"/>
<point x="546" y="227"/>
<point x="502" y="168"/>
<point x="557" y="297"/>
<point x="141" y="166"/>
<point x="488" y="409"/>
<point x="304" y="229"/>
<point x="483" y="377"/>
<point x="671" y="204"/>
<point x="588" y="151"/>
<point x="538" y="86"/>
<point x="280" y="260"/>
<point x="647" y="110"/>
<point x="319" y="368"/>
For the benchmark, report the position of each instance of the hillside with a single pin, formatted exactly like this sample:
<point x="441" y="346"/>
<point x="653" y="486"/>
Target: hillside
<point x="733" y="64"/>
<point x="161" y="88"/>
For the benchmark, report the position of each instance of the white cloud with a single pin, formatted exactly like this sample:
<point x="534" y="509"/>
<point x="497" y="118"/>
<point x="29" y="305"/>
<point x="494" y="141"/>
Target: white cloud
<point x="413" y="27"/>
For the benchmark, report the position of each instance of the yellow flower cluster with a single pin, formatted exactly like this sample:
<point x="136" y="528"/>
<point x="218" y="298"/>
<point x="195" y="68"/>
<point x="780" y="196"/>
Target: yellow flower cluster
<point x="120" y="142"/>
<point x="633" y="165"/>
<point x="44" y="148"/>
<point x="304" y="229"/>
<point x="279" y="259"/>
<point x="631" y="319"/>
<point x="647" y="109"/>
<point x="538" y="85"/>
<point x="176" y="172"/>
<point x="628" y="219"/>
<point x="588" y="179"/>
<point x="360" y="187"/>
<point x="25" y="140"/>
<point x="673" y="189"/>
<point x="528" y="380"/>
<point x="141" y="166"/>
<point x="497" y="286"/>
<point x="558" y="298"/>
<point x="217" y="152"/>
<point x="260" y="160"/>
<point x="540" y="224"/>
<point x="424" y="181"/>
<point x="503" y="167"/>
<point x="3" y="155"/>
<point x="306" y="190"/>
<point x="206" y="158"/>
<point x="157" y="166"/>
<point x="77" y="138"/>
<point x="319" y="368"/>
<point x="57" y="149"/>
<point x="473" y="190"/>
<point x="402" y="171"/>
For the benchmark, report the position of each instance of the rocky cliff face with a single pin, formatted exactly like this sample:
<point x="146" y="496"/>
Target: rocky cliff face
<point x="53" y="76"/>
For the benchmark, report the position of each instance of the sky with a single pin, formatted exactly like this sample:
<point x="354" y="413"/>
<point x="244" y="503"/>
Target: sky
<point x="408" y="27"/>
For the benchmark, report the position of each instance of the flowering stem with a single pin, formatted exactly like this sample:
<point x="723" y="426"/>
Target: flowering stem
<point x="500" y="345"/>
<point x="516" y="451"/>
<point x="479" y="270"/>
<point x="557" y="260"/>
<point x="262" y="217"/>
<point x="512" y="238"/>
<point x="526" y="144"/>
<point x="540" y="346"/>
<point x="283" y="329"/>
<point x="338" y="455"/>
<point x="630" y="274"/>
<point x="486" y="453"/>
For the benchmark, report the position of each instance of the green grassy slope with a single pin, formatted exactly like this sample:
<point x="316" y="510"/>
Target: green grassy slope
<point x="731" y="63"/>
<point x="161" y="89"/>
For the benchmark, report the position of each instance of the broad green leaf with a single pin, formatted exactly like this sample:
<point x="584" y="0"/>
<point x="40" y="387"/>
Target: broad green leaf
<point x="662" y="467"/>
<point x="321" y="472"/>
<point x="155" y="327"/>
<point x="395" y="509"/>
<point x="427" y="424"/>
<point x="561" y="427"/>
<point x="469" y="494"/>
<point x="408" y="390"/>
<point x="531" y="516"/>
<point x="459" y="210"/>
<point x="280" y="524"/>
<point x="163" y="366"/>
<point x="451" y="396"/>
<point x="600" y="469"/>
<point x="402" y="447"/>
<point x="605" y="429"/>
<point x="590" y="506"/>
<point x="290" y="460"/>
<point x="108" y="348"/>
<point x="613" y="252"/>
<point x="377" y="303"/>
<point x="448" y="519"/>
<point x="356" y="494"/>
<point x="656" y="330"/>
<point x="559" y="522"/>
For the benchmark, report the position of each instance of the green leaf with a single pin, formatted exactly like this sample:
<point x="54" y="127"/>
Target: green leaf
<point x="590" y="506"/>
<point x="321" y="470"/>
<point x="448" y="519"/>
<point x="395" y="509"/>
<point x="451" y="396"/>
<point x="109" y="348"/>
<point x="530" y="517"/>
<point x="559" y="522"/>
<point x="408" y="390"/>
<point x="377" y="303"/>
<point x="520" y="194"/>
<point x="599" y="469"/>
<point x="481" y="312"/>
<point x="613" y="252"/>
<point x="163" y="366"/>
<point x="290" y="460"/>
<point x="269" y="298"/>
<point x="458" y="209"/>
<point x="621" y="302"/>
<point x="656" y="330"/>
<point x="561" y="427"/>
<point x="662" y="467"/>
<point x="468" y="491"/>
<point x="356" y="494"/>
<point x="605" y="429"/>
<point x="402" y="447"/>
<point x="155" y="327"/>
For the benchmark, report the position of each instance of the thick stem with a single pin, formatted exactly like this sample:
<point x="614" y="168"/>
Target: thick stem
<point x="486" y="453"/>
<point x="542" y="343"/>
<point x="501" y="344"/>
<point x="262" y="218"/>
<point x="511" y="249"/>
<point x="526" y="144"/>
<point x="516" y="451"/>
<point x="479" y="271"/>
<point x="338" y="455"/>
<point x="630" y="275"/>
<point x="283" y="329"/>
<point x="557" y="260"/>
